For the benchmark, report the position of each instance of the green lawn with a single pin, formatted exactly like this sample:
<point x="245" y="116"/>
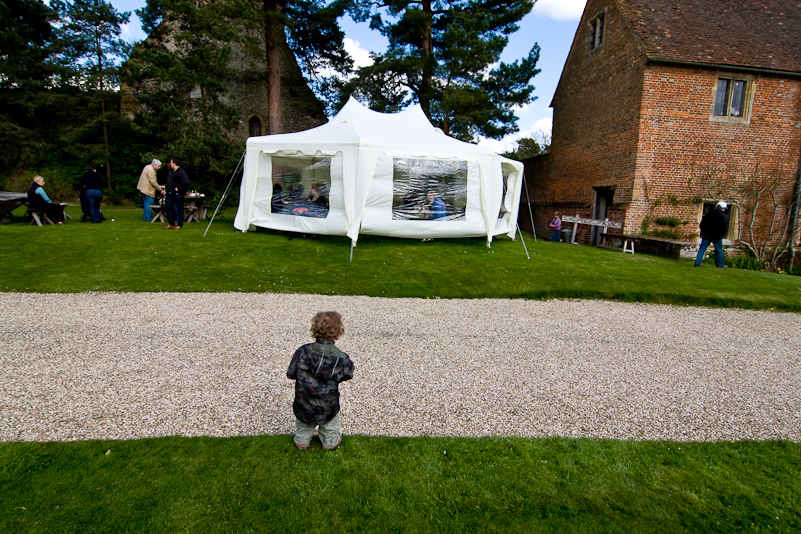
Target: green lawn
<point x="132" y="255"/>
<point x="408" y="485"/>
<point x="378" y="484"/>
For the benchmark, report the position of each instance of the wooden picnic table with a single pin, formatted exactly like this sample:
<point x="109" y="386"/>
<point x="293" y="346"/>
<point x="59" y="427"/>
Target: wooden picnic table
<point x="194" y="210"/>
<point x="9" y="202"/>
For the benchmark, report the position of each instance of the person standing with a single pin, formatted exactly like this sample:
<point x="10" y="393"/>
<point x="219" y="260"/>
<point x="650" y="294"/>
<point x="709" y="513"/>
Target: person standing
<point x="92" y="189"/>
<point x="148" y="186"/>
<point x="714" y="226"/>
<point x="556" y="227"/>
<point x="177" y="184"/>
<point x="38" y="200"/>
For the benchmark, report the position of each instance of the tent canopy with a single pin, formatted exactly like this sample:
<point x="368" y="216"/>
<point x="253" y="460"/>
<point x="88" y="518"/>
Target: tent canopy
<point x="377" y="173"/>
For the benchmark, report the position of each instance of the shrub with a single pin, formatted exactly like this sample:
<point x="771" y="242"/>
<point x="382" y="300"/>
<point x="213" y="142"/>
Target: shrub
<point x="667" y="234"/>
<point x="745" y="262"/>
<point x="646" y="222"/>
<point x="668" y="221"/>
<point x="57" y="185"/>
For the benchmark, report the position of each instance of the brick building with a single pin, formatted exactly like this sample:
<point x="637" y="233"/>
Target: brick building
<point x="665" y="107"/>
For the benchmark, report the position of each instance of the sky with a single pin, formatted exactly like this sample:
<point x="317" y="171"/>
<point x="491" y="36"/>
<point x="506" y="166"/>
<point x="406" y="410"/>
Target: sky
<point x="551" y="24"/>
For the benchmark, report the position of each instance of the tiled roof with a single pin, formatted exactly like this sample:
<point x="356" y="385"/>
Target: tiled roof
<point x="763" y="34"/>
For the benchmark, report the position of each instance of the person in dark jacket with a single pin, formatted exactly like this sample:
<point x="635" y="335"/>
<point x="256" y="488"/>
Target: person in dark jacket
<point x="177" y="184"/>
<point x="92" y="191"/>
<point x="714" y="226"/>
<point x="317" y="369"/>
<point x="38" y="200"/>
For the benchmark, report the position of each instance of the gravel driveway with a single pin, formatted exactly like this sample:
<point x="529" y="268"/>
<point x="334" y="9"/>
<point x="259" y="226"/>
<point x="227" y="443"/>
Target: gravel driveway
<point x="125" y="365"/>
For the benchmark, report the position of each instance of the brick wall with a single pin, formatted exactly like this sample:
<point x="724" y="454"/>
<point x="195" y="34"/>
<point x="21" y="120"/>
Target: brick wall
<point x="687" y="154"/>
<point x="595" y="124"/>
<point x="648" y="131"/>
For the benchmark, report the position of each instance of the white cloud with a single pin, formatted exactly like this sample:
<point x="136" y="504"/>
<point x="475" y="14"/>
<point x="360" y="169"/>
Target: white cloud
<point x="361" y="57"/>
<point x="559" y="9"/>
<point x="541" y="129"/>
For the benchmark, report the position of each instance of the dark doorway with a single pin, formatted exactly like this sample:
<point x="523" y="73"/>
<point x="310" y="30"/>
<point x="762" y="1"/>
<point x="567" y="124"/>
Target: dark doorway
<point x="254" y="126"/>
<point x="603" y="199"/>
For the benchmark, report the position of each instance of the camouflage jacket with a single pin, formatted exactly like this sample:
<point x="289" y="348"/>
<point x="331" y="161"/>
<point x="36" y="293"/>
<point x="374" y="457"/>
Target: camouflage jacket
<point x="317" y="369"/>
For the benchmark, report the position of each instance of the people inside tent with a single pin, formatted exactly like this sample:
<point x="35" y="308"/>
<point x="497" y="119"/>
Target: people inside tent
<point x="318" y="196"/>
<point x="436" y="206"/>
<point x="38" y="200"/>
<point x="294" y="203"/>
<point x="278" y="205"/>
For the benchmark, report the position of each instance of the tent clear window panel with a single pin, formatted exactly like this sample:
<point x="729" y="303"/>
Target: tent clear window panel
<point x="429" y="189"/>
<point x="301" y="186"/>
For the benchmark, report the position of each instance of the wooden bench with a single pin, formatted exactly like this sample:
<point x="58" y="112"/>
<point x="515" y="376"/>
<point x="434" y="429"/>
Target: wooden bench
<point x="37" y="216"/>
<point x="157" y="211"/>
<point x="628" y="241"/>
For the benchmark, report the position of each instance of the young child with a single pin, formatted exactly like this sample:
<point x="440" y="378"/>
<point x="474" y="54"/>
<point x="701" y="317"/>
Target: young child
<point x="556" y="227"/>
<point x="317" y="369"/>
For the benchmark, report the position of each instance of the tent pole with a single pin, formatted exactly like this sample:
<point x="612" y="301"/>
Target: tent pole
<point x="225" y="193"/>
<point x="351" y="251"/>
<point x="524" y="242"/>
<point x="530" y="214"/>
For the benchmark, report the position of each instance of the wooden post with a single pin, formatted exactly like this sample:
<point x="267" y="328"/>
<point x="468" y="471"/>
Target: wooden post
<point x="575" y="231"/>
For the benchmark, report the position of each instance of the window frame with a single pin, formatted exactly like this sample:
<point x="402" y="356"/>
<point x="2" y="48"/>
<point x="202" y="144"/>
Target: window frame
<point x="596" y="36"/>
<point x="747" y="98"/>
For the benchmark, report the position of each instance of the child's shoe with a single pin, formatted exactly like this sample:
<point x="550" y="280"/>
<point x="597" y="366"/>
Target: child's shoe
<point x="335" y="445"/>
<point x="301" y="446"/>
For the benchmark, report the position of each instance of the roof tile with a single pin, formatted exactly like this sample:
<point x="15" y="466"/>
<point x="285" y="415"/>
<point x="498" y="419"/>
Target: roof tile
<point x="763" y="34"/>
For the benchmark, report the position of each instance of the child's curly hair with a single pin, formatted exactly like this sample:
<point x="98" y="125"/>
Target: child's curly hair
<point x="327" y="325"/>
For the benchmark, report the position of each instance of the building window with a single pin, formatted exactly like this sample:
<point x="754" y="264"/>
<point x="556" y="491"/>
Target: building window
<point x="597" y="31"/>
<point x="732" y="234"/>
<point x="733" y="96"/>
<point x="254" y="126"/>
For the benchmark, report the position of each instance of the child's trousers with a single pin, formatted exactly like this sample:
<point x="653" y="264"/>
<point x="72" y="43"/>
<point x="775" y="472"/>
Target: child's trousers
<point x="328" y="431"/>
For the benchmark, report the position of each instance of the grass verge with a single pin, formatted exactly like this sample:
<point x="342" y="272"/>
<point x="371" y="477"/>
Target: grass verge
<point x="132" y="255"/>
<point x="377" y="484"/>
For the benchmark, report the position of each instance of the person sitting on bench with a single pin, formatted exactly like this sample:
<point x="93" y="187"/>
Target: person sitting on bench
<point x="38" y="200"/>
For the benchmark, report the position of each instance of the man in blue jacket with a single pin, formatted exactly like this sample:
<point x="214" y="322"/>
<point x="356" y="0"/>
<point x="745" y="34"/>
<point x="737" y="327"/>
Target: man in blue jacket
<point x="714" y="226"/>
<point x="177" y="184"/>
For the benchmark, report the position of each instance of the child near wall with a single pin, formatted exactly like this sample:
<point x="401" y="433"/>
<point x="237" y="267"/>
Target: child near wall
<point x="556" y="227"/>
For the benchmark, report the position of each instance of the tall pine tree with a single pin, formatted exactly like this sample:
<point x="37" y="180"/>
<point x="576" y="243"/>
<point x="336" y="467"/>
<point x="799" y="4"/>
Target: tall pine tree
<point x="441" y="54"/>
<point x="91" y="32"/>
<point x="29" y="69"/>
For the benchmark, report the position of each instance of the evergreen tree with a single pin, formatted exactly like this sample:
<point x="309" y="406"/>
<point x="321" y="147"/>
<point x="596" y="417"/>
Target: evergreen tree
<point x="180" y="75"/>
<point x="527" y="148"/>
<point x="91" y="32"/>
<point x="29" y="69"/>
<point x="441" y="54"/>
<point x="311" y="32"/>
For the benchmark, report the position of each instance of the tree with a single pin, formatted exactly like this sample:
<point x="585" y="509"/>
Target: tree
<point x="91" y="31"/>
<point x="181" y="75"/>
<point x="29" y="68"/>
<point x="527" y="148"/>
<point x="441" y="55"/>
<point x="310" y="30"/>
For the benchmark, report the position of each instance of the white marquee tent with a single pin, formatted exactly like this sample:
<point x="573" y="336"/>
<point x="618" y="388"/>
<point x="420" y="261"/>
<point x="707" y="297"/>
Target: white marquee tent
<point x="374" y="173"/>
